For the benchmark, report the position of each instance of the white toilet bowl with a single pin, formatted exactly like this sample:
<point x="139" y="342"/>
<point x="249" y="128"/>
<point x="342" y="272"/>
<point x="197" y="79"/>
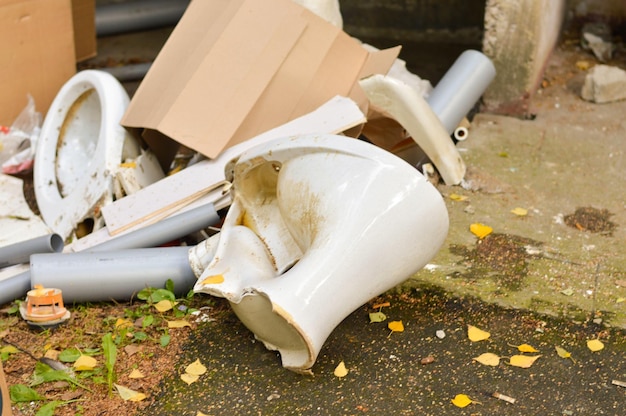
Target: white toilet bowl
<point x="319" y="225"/>
<point x="80" y="147"/>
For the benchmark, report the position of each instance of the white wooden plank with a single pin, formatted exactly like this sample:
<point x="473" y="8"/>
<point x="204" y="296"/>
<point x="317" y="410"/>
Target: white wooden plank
<point x="184" y="187"/>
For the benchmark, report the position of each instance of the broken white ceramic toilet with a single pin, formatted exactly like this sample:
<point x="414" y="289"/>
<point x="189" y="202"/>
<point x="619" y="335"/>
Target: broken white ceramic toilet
<point x="319" y="225"/>
<point x="80" y="146"/>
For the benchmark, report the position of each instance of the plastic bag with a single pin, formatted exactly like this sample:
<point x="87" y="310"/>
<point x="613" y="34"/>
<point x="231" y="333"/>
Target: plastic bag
<point x="19" y="142"/>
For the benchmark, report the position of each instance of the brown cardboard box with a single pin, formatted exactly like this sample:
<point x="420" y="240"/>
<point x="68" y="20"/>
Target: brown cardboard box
<point x="37" y="54"/>
<point x="84" y="23"/>
<point x="233" y="69"/>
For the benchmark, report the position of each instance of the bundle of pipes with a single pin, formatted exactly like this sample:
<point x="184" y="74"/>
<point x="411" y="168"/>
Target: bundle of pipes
<point x="95" y="274"/>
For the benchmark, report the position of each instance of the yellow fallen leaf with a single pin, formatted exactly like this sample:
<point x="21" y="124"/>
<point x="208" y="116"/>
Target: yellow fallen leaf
<point x="462" y="400"/>
<point x="520" y="212"/>
<point x="341" y="370"/>
<point x="189" y="378"/>
<point x="164" y="305"/>
<point x="583" y="65"/>
<point x="85" y="363"/>
<point x="524" y="348"/>
<point x="480" y="230"/>
<point x="377" y="317"/>
<point x="563" y="353"/>
<point x="396" y="326"/>
<point x="52" y="354"/>
<point x="196" y="368"/>
<point x="9" y="349"/>
<point x="136" y="374"/>
<point x="178" y="324"/>
<point x="128" y="394"/>
<point x="595" y="345"/>
<point x="488" y="358"/>
<point x="475" y="334"/>
<point x="523" y="361"/>
<point x="457" y="197"/>
<point x="200" y="414"/>
<point x="123" y="323"/>
<point x="213" y="280"/>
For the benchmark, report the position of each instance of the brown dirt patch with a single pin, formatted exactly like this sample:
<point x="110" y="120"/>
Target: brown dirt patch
<point x="501" y="256"/>
<point x="85" y="329"/>
<point x="591" y="219"/>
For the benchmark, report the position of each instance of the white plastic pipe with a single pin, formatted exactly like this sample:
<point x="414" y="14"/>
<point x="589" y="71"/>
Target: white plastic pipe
<point x="20" y="252"/>
<point x="129" y="16"/>
<point x="102" y="276"/>
<point x="461" y="87"/>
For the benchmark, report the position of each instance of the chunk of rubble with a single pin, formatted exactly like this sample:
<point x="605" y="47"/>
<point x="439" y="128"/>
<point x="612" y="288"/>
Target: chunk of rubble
<point x="596" y="37"/>
<point x="604" y="84"/>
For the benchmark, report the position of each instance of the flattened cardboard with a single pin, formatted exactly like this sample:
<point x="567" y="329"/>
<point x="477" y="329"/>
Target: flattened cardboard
<point x="37" y="53"/>
<point x="233" y="69"/>
<point x="84" y="21"/>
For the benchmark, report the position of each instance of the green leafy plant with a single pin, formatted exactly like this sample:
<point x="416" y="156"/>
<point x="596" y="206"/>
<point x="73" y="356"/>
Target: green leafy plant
<point x="110" y="355"/>
<point x="44" y="373"/>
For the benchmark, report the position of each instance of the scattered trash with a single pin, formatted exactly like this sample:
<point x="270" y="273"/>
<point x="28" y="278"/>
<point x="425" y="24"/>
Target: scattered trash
<point x="619" y="383"/>
<point x="18" y="142"/>
<point x="504" y="397"/>
<point x="312" y="220"/>
<point x="44" y="307"/>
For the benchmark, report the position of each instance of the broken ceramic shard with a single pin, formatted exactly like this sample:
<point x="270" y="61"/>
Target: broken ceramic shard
<point x="319" y="225"/>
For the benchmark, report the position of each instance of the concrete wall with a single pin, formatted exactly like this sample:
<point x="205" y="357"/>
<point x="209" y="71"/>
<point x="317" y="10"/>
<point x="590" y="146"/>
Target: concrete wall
<point x="414" y="20"/>
<point x="519" y="38"/>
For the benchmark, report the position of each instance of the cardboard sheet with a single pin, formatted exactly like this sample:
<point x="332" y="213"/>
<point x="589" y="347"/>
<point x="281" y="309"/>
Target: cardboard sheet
<point x="36" y="53"/>
<point x="233" y="69"/>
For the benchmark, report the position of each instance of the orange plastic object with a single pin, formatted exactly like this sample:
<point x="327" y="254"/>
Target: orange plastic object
<point x="44" y="305"/>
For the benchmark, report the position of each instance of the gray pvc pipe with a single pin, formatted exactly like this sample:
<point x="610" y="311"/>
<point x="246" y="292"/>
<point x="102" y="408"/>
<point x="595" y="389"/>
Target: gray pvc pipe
<point x="163" y="231"/>
<point x="14" y="287"/>
<point x="103" y="276"/>
<point x="20" y="252"/>
<point x="129" y="16"/>
<point x="461" y="87"/>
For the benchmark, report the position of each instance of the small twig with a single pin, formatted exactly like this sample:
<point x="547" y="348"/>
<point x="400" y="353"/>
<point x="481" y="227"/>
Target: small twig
<point x="21" y="349"/>
<point x="619" y="383"/>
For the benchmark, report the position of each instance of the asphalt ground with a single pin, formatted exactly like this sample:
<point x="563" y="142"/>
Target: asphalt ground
<point x="406" y="373"/>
